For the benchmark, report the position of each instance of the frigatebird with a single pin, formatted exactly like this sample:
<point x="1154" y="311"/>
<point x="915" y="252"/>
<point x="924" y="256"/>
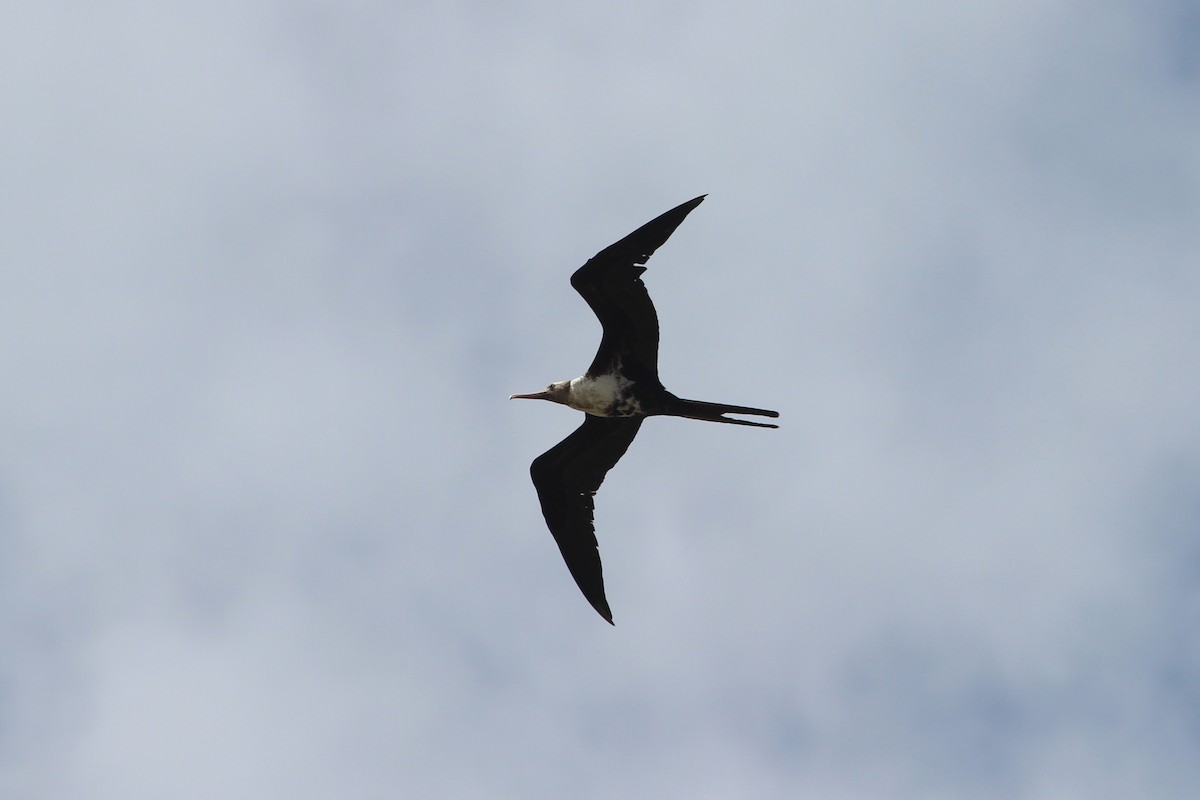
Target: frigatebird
<point x="618" y="391"/>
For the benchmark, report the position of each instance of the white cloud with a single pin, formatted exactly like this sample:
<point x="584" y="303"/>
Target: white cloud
<point x="265" y="522"/>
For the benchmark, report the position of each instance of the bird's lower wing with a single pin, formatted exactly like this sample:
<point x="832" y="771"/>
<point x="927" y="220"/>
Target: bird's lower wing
<point x="566" y="477"/>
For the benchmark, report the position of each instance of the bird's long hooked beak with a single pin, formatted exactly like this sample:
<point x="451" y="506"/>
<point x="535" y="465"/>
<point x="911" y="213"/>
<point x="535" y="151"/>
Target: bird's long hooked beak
<point x="542" y="395"/>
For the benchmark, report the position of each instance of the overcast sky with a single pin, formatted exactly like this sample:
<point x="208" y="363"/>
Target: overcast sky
<point x="269" y="271"/>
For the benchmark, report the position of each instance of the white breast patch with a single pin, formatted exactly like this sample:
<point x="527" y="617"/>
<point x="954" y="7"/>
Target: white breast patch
<point x="597" y="395"/>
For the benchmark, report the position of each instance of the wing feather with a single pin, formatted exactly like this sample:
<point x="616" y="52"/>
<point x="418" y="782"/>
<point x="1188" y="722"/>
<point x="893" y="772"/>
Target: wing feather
<point x="610" y="283"/>
<point x="567" y="477"/>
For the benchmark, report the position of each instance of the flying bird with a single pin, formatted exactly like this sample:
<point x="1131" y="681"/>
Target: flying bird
<point x="618" y="391"/>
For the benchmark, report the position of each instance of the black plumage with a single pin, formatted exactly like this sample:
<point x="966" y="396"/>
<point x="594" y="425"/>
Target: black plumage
<point x="619" y="390"/>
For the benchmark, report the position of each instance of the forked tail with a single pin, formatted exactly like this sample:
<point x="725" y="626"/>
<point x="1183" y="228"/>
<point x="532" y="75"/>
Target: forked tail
<point x="712" y="412"/>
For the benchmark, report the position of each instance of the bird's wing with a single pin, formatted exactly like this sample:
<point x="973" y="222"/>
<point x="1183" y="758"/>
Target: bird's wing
<point x="611" y="285"/>
<point x="566" y="477"/>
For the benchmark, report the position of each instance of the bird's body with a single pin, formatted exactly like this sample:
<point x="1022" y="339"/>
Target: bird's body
<point x="619" y="390"/>
<point x="607" y="395"/>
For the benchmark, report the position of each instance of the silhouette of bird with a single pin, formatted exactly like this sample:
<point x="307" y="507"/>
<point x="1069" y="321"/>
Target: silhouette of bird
<point x="618" y="391"/>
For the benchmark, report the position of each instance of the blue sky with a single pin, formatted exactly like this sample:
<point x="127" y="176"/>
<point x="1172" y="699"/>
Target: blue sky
<point x="271" y="270"/>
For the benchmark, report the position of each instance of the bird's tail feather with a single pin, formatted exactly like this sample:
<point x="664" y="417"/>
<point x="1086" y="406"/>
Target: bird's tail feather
<point x="712" y="412"/>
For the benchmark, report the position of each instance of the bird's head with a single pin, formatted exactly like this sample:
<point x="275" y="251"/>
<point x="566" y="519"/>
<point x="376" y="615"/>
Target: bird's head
<point x="555" y="393"/>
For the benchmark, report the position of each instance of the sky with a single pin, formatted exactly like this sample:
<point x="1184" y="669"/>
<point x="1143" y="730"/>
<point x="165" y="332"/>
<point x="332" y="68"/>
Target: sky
<point x="269" y="272"/>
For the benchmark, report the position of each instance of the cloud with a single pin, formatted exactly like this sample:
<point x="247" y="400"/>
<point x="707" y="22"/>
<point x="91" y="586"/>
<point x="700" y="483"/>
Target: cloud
<point x="265" y="521"/>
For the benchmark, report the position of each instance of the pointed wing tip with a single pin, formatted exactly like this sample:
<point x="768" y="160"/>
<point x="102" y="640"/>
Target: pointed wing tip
<point x="598" y="601"/>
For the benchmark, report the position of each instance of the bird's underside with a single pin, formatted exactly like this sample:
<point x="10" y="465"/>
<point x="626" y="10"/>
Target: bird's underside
<point x="618" y="391"/>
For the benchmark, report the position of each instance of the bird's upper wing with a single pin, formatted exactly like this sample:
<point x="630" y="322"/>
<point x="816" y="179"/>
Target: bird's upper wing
<point x="611" y="285"/>
<point x="566" y="477"/>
